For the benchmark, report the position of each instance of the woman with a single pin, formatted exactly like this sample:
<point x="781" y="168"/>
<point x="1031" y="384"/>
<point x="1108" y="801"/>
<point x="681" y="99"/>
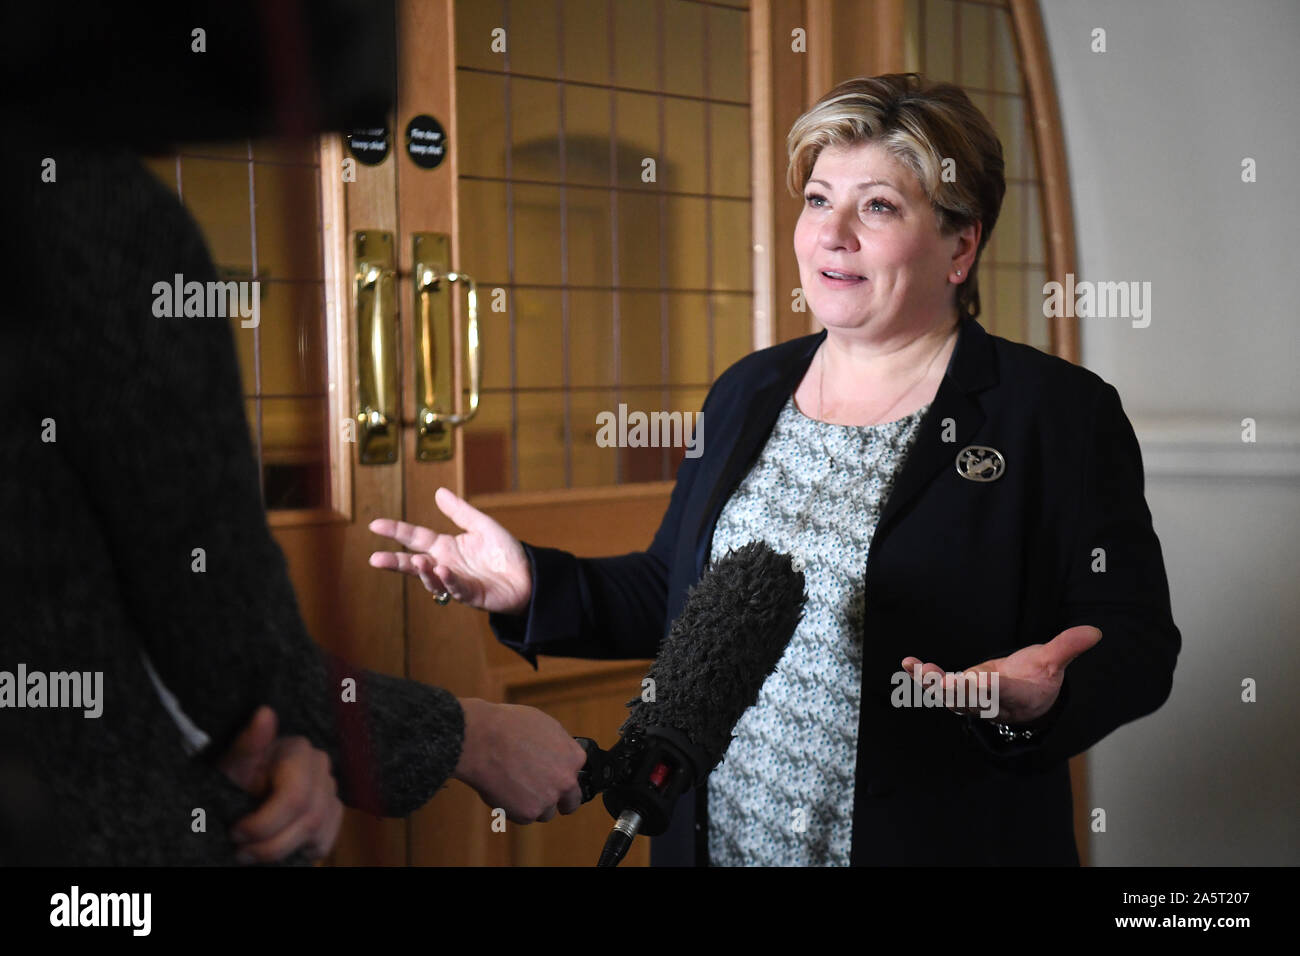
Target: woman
<point x="960" y="502"/>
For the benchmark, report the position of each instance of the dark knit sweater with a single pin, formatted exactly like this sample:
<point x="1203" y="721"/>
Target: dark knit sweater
<point x="152" y="459"/>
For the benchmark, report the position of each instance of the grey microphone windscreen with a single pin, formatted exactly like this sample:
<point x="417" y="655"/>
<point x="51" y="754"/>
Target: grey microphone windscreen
<point x="733" y="629"/>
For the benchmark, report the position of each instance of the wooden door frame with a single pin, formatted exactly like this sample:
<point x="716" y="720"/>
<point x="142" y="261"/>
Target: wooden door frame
<point x="1053" y="170"/>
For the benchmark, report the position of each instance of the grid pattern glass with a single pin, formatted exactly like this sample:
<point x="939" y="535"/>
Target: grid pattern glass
<point x="604" y="209"/>
<point x="258" y="206"/>
<point x="972" y="43"/>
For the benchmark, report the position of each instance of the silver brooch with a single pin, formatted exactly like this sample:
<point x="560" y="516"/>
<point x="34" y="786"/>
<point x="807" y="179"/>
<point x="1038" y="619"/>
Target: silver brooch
<point x="980" y="463"/>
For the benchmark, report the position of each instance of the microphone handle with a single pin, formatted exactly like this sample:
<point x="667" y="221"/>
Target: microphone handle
<point x="620" y="838"/>
<point x="597" y="774"/>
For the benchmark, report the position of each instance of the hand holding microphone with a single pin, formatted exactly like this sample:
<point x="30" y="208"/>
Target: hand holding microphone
<point x="519" y="759"/>
<point x="733" y="629"/>
<point x="731" y="634"/>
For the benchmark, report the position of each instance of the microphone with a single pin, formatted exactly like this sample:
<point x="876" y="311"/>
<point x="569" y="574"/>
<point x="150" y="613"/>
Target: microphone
<point x="731" y="633"/>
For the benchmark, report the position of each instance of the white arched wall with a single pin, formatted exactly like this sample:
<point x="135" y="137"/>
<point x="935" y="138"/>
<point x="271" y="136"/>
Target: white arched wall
<point x="1155" y="131"/>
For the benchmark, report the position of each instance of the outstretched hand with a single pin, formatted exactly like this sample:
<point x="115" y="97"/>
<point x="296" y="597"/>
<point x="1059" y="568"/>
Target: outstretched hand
<point x="483" y="567"/>
<point x="1029" y="680"/>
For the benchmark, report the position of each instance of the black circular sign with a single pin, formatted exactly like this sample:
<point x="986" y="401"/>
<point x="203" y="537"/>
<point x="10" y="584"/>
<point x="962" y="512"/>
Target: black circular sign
<point x="369" y="144"/>
<point x="426" y="142"/>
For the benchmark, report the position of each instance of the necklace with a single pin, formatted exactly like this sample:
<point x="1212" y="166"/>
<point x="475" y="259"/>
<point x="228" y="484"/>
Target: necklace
<point x="801" y="552"/>
<point x="821" y="392"/>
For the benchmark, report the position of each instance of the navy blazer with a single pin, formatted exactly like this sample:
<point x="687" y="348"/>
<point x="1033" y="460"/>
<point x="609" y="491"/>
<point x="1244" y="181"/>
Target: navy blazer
<point x="959" y="572"/>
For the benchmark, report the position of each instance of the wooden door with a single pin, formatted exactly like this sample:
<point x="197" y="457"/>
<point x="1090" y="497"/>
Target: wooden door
<point x="598" y="188"/>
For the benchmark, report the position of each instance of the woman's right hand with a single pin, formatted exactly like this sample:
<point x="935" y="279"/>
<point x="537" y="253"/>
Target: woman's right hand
<point x="484" y="567"/>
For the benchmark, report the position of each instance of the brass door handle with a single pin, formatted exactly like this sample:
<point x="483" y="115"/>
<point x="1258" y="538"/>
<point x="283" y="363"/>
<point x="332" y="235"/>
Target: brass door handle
<point x="434" y="377"/>
<point x="378" y="420"/>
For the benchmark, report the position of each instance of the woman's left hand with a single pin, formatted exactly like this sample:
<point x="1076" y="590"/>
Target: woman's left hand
<point x="1028" y="680"/>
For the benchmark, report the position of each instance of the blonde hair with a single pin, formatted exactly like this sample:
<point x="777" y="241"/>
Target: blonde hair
<point x="921" y="124"/>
